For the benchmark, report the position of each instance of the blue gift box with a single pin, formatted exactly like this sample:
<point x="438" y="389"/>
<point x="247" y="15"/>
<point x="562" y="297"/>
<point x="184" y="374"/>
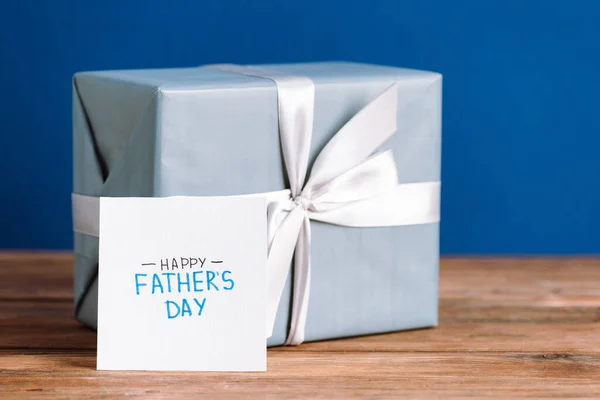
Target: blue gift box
<point x="205" y="132"/>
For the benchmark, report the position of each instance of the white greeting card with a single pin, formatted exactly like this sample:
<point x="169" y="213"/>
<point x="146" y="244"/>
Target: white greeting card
<point x="182" y="284"/>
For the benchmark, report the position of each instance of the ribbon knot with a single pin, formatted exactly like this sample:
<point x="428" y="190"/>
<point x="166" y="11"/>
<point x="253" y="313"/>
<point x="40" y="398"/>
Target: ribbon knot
<point x="302" y="201"/>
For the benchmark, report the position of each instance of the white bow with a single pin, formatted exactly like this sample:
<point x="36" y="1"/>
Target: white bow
<point x="347" y="186"/>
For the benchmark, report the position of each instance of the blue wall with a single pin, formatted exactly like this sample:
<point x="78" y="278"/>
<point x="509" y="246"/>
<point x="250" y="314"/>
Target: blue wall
<point x="521" y="151"/>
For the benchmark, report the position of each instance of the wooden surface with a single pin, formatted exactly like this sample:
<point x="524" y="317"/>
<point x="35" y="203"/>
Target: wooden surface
<point x="508" y="328"/>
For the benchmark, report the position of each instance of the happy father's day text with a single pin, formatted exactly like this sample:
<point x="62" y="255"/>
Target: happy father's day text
<point x="184" y="282"/>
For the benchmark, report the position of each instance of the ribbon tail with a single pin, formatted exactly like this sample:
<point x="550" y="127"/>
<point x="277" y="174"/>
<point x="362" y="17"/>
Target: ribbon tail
<point x="360" y="137"/>
<point x="374" y="176"/>
<point x="301" y="291"/>
<point x="279" y="262"/>
<point x="405" y="204"/>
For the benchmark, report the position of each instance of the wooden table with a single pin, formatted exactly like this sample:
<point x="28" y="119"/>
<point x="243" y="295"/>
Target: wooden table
<point x="508" y="328"/>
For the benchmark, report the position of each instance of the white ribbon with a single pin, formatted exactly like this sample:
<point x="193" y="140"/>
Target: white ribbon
<point x="347" y="186"/>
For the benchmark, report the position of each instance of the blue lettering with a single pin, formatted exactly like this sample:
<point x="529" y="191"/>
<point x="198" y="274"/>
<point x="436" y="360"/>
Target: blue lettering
<point x="185" y="308"/>
<point x="197" y="281"/>
<point x="138" y="284"/>
<point x="227" y="280"/>
<point x="168" y="275"/>
<point x="156" y="283"/>
<point x="200" y="305"/>
<point x="210" y="275"/>
<point x="183" y="283"/>
<point x="169" y="303"/>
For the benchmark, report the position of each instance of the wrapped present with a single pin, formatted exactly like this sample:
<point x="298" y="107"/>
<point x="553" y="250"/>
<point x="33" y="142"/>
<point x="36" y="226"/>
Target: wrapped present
<point x="347" y="154"/>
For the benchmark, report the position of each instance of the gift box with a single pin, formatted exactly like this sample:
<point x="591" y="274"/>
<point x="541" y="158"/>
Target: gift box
<point x="218" y="130"/>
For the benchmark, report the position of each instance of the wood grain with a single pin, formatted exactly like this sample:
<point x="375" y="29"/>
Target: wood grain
<point x="43" y="276"/>
<point x="324" y="375"/>
<point x="513" y="327"/>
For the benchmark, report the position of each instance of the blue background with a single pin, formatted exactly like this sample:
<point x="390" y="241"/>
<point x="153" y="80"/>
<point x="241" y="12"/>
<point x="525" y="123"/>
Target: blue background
<point x="521" y="163"/>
